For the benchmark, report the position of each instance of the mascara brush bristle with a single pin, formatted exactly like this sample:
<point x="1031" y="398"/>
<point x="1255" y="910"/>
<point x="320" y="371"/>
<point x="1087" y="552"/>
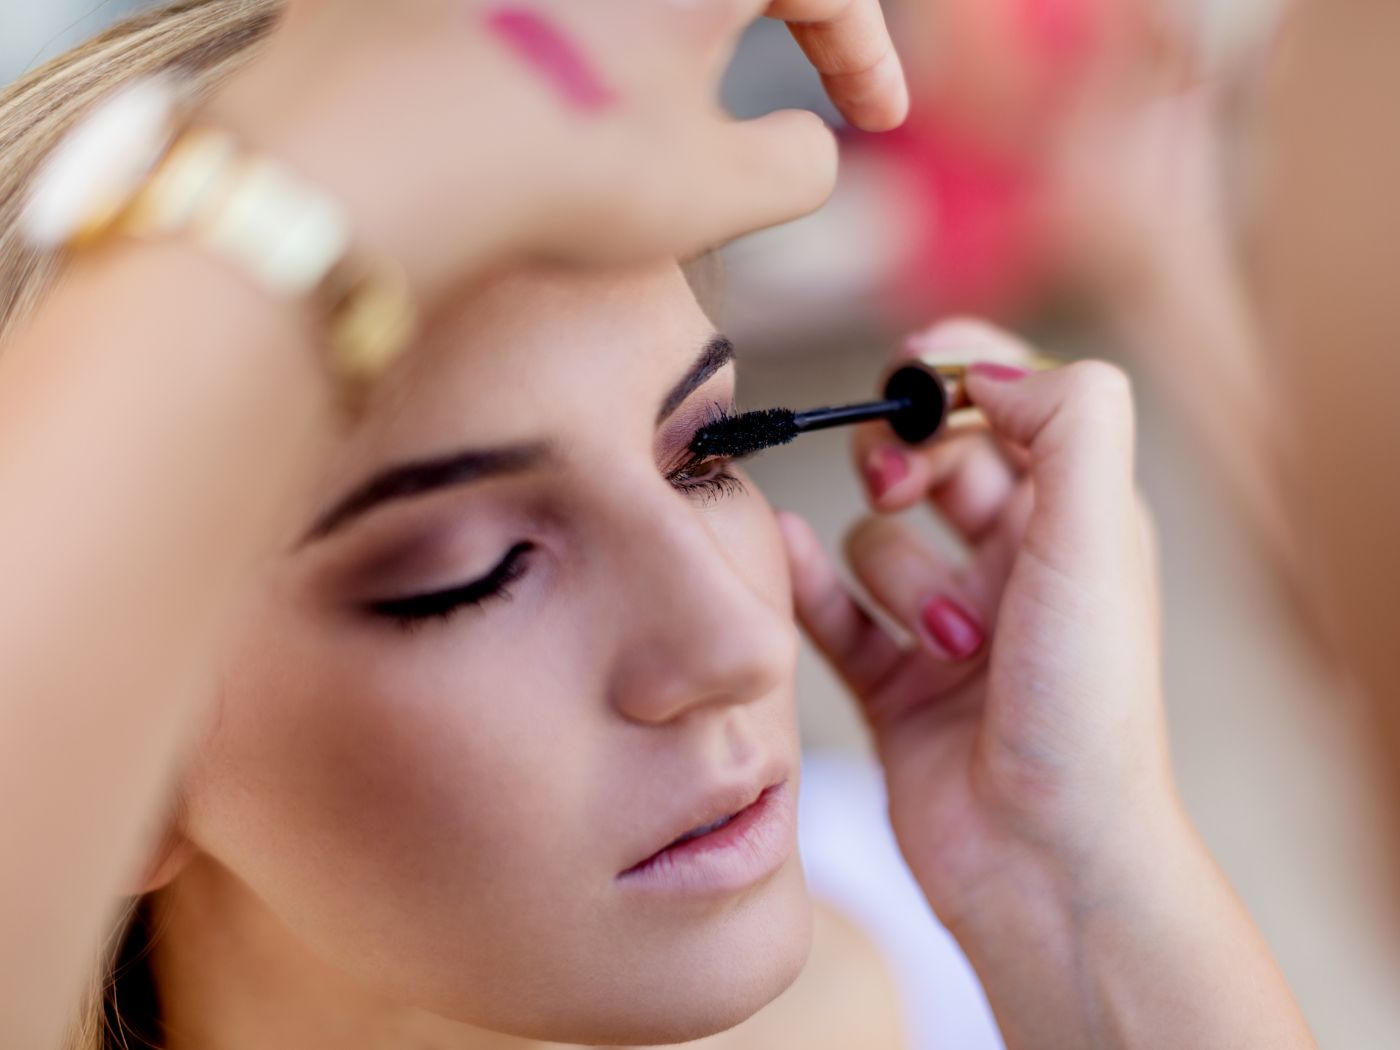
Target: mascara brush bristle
<point x="744" y="435"/>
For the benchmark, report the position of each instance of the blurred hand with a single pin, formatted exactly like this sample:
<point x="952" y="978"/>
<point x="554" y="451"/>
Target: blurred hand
<point x="1021" y="728"/>
<point x="1138" y="203"/>
<point x="582" y="132"/>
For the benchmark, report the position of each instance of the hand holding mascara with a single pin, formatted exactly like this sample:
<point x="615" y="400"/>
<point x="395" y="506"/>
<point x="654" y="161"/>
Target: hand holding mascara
<point x="918" y="399"/>
<point x="1012" y="690"/>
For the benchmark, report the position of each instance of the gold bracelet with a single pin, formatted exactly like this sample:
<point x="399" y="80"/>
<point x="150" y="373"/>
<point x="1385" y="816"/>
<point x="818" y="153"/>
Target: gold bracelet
<point x="290" y="237"/>
<point x="182" y="180"/>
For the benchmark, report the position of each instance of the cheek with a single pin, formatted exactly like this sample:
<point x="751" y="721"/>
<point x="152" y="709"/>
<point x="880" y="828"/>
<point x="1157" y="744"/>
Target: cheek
<point x="413" y="741"/>
<point x="748" y="529"/>
<point x="388" y="797"/>
<point x="443" y="812"/>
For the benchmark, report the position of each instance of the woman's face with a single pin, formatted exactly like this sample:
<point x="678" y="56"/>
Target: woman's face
<point x="526" y="647"/>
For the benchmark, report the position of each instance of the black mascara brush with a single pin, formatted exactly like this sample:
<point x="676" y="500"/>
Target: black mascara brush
<point x="918" y="398"/>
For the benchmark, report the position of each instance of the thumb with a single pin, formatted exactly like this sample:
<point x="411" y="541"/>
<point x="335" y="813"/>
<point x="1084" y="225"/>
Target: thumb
<point x="1076" y="425"/>
<point x="762" y="172"/>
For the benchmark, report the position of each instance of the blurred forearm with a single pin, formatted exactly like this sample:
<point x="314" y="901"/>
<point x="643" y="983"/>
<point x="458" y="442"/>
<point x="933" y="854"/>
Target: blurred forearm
<point x="1197" y="338"/>
<point x="1147" y="947"/>
<point x="152" y="422"/>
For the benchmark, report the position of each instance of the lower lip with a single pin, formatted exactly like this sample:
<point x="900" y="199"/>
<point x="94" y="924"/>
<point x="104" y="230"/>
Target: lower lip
<point x="746" y="851"/>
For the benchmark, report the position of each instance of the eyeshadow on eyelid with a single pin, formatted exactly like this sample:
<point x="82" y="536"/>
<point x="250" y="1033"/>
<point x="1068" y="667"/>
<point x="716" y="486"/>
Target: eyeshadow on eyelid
<point x="434" y="552"/>
<point x="697" y="413"/>
<point x="421" y="558"/>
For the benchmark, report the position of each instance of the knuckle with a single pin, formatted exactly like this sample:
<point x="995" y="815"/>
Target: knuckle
<point x="810" y="10"/>
<point x="724" y="18"/>
<point x="816" y="136"/>
<point x="865" y="439"/>
<point x="862" y="538"/>
<point x="874" y="544"/>
<point x="1097" y="400"/>
<point x="806" y="141"/>
<point x="972" y="339"/>
<point x="790" y="151"/>
<point x="1101" y="383"/>
<point x="969" y="329"/>
<point x="889" y="559"/>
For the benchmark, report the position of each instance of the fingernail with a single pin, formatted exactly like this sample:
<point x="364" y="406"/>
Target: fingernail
<point x="952" y="627"/>
<point x="1000" y="373"/>
<point x="920" y="343"/>
<point x="885" y="468"/>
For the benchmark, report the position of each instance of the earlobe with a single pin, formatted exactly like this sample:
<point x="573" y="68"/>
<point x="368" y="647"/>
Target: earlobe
<point x="170" y="857"/>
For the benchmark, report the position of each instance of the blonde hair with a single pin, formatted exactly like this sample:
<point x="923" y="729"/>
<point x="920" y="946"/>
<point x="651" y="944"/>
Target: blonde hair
<point x="206" y="40"/>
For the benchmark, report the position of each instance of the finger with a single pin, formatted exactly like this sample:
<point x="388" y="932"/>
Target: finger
<point x="850" y="46"/>
<point x="982" y="497"/>
<point x="967" y="474"/>
<point x="858" y="649"/>
<point x="965" y="477"/>
<point x="1077" y="425"/>
<point x="758" y="173"/>
<point x="1152" y="548"/>
<point x="987" y="575"/>
<point x="965" y="340"/>
<point x="968" y="341"/>
<point x="907" y="578"/>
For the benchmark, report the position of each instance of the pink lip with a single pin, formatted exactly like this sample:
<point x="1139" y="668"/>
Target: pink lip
<point x="756" y="842"/>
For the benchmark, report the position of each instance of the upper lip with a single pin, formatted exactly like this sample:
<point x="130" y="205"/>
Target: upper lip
<point x="715" y="802"/>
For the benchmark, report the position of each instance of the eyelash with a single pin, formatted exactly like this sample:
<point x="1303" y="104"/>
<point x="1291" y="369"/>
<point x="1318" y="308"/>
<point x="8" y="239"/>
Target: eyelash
<point x="418" y="610"/>
<point x="687" y="478"/>
<point x="440" y="605"/>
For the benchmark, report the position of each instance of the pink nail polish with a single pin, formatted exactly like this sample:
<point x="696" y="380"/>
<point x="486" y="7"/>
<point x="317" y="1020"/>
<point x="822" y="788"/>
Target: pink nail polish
<point x="952" y="627"/>
<point x="1001" y="373"/>
<point x="885" y="468"/>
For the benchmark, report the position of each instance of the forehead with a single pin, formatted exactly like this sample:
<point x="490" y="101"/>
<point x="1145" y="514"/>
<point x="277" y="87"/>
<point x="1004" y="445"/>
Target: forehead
<point x="535" y="352"/>
<point x="542" y="332"/>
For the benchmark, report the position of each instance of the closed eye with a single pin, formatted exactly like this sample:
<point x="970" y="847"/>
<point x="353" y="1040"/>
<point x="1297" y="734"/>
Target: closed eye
<point x="706" y="477"/>
<point x="442" y="604"/>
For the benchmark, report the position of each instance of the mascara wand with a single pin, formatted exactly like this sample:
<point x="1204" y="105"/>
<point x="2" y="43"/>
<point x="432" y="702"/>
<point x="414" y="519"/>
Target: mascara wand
<point x="918" y="399"/>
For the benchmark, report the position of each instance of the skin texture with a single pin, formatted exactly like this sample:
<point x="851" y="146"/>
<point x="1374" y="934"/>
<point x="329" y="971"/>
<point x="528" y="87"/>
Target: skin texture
<point x="661" y="170"/>
<point x="1018" y="716"/>
<point x="405" y="852"/>
<point x="1324" y="283"/>
<point x="431" y="821"/>
<point x="187" y="467"/>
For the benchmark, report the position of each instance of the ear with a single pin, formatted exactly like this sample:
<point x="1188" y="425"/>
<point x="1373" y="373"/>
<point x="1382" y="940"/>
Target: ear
<point x="172" y="853"/>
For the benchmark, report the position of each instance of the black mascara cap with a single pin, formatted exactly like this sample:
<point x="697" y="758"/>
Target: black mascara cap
<point x="928" y="403"/>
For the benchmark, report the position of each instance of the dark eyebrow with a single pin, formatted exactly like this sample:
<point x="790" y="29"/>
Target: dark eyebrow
<point x="423" y="476"/>
<point x="460" y="468"/>
<point x="718" y="352"/>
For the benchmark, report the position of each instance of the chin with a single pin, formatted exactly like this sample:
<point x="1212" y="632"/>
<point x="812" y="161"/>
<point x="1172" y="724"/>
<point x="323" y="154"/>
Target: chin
<point x="717" y="974"/>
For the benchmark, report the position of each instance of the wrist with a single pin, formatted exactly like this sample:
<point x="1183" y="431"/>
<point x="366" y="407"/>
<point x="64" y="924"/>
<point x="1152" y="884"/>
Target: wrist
<point x="1056" y="893"/>
<point x="1067" y="947"/>
<point x="1143" y="944"/>
<point x="337" y="134"/>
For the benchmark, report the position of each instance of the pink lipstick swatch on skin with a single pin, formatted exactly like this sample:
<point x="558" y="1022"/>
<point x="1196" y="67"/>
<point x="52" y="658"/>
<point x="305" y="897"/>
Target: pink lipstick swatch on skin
<point x="545" y="48"/>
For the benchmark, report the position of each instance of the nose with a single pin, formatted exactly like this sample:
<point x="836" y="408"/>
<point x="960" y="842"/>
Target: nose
<point x="707" y="620"/>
